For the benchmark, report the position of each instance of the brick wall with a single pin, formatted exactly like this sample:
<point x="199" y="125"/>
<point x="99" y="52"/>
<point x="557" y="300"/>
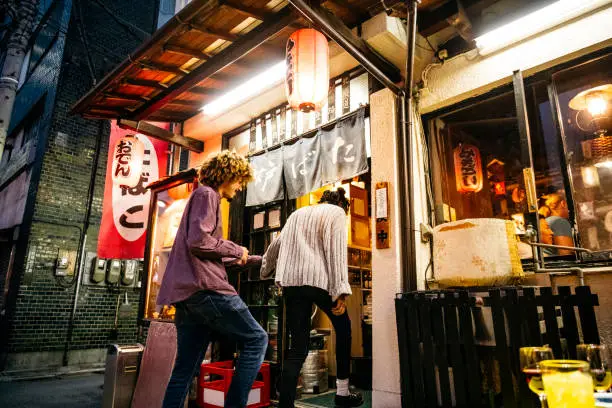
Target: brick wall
<point x="44" y="301"/>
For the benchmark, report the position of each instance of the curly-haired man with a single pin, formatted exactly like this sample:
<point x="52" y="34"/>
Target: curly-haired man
<point x="196" y="283"/>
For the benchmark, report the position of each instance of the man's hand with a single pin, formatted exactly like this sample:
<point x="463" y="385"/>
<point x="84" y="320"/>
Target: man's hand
<point x="245" y="256"/>
<point x="340" y="307"/>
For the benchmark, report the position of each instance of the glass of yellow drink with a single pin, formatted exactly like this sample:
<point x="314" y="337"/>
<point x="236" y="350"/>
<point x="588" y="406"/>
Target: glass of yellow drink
<point x="531" y="357"/>
<point x="597" y="357"/>
<point x="567" y="384"/>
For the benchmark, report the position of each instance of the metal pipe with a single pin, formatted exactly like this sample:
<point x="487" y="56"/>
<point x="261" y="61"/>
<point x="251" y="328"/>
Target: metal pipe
<point x="576" y="249"/>
<point x="320" y="22"/>
<point x="405" y="187"/>
<point x="83" y="242"/>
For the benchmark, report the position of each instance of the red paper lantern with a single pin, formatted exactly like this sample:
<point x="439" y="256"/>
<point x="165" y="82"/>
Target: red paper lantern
<point x="128" y="155"/>
<point x="307" y="80"/>
<point x="468" y="168"/>
<point x="499" y="188"/>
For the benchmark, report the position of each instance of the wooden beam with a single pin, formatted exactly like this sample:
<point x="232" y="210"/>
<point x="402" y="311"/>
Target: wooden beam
<point x="189" y="52"/>
<point x="227" y="36"/>
<point x="125" y="97"/>
<point x="144" y="83"/>
<point x="199" y="90"/>
<point x="228" y="56"/>
<point x="185" y="102"/>
<point x="107" y="111"/>
<point x="149" y="129"/>
<point x="335" y="29"/>
<point x="356" y="12"/>
<point x="249" y="11"/>
<point x="430" y="22"/>
<point x="156" y="66"/>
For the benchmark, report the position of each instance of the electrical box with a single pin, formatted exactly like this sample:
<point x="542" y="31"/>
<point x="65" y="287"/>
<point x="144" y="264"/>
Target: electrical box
<point x="114" y="271"/>
<point x="64" y="265"/>
<point x="129" y="272"/>
<point x="99" y="270"/>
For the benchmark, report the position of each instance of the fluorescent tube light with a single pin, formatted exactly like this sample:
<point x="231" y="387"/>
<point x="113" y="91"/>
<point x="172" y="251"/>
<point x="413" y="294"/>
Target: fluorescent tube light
<point x="534" y="23"/>
<point x="254" y="86"/>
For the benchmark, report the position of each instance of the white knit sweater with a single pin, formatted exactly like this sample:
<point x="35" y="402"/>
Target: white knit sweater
<point x="311" y="250"/>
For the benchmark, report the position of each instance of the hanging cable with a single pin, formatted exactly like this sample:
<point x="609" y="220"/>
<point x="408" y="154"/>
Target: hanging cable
<point x="131" y="28"/>
<point x="82" y="34"/>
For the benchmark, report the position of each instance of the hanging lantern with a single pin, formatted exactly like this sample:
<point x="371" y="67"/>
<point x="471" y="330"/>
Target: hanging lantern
<point x="468" y="168"/>
<point x="307" y="60"/>
<point x="128" y="155"/>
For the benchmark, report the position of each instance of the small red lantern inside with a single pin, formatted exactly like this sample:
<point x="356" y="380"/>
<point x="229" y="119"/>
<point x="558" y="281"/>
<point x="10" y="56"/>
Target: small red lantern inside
<point x="468" y="168"/>
<point x="307" y="80"/>
<point x="499" y="188"/>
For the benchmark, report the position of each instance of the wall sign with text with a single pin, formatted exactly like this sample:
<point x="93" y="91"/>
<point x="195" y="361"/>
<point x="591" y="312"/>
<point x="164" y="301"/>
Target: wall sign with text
<point x="125" y="211"/>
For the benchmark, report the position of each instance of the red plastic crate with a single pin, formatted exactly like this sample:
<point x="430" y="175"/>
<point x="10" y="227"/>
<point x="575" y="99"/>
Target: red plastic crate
<point x="211" y="394"/>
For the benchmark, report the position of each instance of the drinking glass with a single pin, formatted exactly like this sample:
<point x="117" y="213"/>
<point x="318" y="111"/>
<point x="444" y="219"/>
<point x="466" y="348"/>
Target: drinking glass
<point x="567" y="384"/>
<point x="597" y="357"/>
<point x="531" y="358"/>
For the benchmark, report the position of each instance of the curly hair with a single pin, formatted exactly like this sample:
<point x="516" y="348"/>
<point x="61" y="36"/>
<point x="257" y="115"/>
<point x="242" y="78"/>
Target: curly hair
<point x="225" y="166"/>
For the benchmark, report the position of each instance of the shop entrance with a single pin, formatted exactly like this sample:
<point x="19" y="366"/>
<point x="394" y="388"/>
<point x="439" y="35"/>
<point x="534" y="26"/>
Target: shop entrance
<point x="262" y="224"/>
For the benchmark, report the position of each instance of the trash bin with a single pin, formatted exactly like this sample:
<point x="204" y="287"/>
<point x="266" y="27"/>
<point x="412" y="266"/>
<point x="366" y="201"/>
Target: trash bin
<point x="122" y="363"/>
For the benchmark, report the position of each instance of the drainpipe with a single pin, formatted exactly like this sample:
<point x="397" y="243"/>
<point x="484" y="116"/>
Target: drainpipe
<point x="408" y="256"/>
<point x="82" y="243"/>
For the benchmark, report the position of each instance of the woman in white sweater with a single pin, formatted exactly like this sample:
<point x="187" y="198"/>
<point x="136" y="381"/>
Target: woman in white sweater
<point x="310" y="259"/>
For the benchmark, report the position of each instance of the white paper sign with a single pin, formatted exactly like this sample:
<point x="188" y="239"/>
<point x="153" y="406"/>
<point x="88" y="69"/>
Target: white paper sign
<point x="381" y="203"/>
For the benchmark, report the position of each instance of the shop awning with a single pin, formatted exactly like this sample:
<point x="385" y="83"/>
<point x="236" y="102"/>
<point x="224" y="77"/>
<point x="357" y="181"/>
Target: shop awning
<point x="208" y="47"/>
<point x="204" y="48"/>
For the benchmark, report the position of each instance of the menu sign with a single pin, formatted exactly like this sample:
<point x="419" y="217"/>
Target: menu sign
<point x="267" y="185"/>
<point x="302" y="167"/>
<point x="343" y="149"/>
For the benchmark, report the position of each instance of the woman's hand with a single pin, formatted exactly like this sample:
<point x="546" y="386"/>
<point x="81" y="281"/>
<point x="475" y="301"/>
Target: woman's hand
<point x="340" y="307"/>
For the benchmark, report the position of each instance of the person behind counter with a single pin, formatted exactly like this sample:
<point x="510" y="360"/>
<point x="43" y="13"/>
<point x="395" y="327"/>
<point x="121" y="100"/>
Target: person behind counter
<point x="310" y="259"/>
<point x="557" y="230"/>
<point x="196" y="283"/>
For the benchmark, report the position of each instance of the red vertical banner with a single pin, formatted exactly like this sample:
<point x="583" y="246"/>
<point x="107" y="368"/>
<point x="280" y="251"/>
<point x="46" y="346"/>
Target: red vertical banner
<point x="125" y="211"/>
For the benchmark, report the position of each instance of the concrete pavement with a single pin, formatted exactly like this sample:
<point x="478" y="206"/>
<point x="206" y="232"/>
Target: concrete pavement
<point x="84" y="391"/>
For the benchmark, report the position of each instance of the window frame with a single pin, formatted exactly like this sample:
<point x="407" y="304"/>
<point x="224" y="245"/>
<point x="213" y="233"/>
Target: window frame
<point x="522" y="116"/>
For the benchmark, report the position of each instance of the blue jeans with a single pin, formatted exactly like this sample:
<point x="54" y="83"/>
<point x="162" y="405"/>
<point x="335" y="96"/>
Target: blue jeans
<point x="199" y="317"/>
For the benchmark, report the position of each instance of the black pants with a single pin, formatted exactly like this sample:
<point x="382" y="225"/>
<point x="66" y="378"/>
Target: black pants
<point x="298" y="301"/>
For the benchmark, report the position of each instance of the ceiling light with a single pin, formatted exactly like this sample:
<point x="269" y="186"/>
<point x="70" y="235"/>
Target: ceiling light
<point x="534" y="23"/>
<point x="254" y="86"/>
<point x="597" y="105"/>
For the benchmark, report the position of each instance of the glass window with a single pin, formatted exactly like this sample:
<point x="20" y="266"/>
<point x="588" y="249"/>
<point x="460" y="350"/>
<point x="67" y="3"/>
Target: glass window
<point x="167" y="213"/>
<point x="554" y="217"/>
<point x="477" y="162"/>
<point x="584" y="95"/>
<point x="479" y="159"/>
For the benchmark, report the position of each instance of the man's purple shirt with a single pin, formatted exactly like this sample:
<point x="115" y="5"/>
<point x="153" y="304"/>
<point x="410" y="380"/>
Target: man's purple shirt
<point x="199" y="251"/>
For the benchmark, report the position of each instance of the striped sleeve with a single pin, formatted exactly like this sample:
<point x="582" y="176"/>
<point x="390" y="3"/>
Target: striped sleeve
<point x="270" y="258"/>
<point x="337" y="255"/>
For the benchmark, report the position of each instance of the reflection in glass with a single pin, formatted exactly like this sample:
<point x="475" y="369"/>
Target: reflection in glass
<point x="477" y="162"/>
<point x="167" y="214"/>
<point x="585" y="109"/>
